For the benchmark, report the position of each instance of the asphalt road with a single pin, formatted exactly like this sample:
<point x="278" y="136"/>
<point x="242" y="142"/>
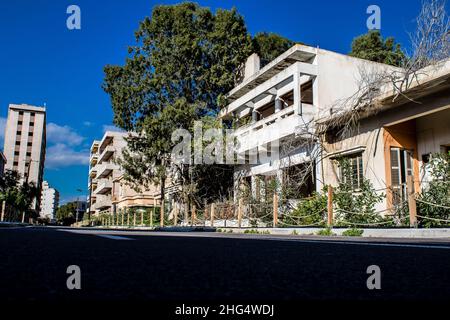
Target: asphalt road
<point x="211" y="267"/>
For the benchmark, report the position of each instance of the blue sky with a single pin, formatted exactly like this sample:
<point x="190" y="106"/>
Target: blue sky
<point x="41" y="61"/>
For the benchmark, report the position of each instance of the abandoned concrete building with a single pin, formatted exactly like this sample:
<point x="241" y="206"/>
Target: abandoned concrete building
<point x="275" y="111"/>
<point x="397" y="134"/>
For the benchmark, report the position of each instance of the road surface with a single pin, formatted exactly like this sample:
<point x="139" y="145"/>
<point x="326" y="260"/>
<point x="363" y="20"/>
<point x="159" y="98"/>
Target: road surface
<point x="214" y="267"/>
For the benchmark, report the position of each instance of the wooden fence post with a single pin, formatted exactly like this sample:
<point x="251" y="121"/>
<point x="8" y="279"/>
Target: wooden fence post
<point x="411" y="202"/>
<point x="212" y="214"/>
<point x="330" y="206"/>
<point x="3" y="210"/>
<point x="153" y="212"/>
<point x="161" y="211"/>
<point x="175" y="216"/>
<point x="194" y="214"/>
<point x="275" y="210"/>
<point x="240" y="213"/>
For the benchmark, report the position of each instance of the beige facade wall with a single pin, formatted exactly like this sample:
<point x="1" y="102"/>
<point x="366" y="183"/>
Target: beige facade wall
<point x="422" y="128"/>
<point x="108" y="191"/>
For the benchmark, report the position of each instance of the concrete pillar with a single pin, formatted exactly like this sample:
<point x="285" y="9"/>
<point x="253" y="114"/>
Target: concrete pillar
<point x="254" y="115"/>
<point x="278" y="104"/>
<point x="297" y="94"/>
<point x="235" y="119"/>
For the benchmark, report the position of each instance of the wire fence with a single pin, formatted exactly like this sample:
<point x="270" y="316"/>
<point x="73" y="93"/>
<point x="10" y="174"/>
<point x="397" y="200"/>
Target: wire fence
<point x="412" y="209"/>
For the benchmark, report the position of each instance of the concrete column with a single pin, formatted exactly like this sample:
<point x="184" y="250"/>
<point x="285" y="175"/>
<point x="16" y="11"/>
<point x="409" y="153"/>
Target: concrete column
<point x="297" y="94"/>
<point x="278" y="104"/>
<point x="235" y="119"/>
<point x="254" y="115"/>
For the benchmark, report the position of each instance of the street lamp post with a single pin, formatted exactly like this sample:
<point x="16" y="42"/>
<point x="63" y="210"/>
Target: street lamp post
<point x="78" y="205"/>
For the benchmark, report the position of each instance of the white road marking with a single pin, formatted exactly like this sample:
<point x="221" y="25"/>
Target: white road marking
<point x="108" y="236"/>
<point x="98" y="234"/>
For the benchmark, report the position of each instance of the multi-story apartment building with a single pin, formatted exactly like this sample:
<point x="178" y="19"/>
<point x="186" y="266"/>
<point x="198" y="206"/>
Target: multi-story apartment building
<point x="25" y="143"/>
<point x="49" y="201"/>
<point x="108" y="191"/>
<point x="276" y="106"/>
<point x="2" y="163"/>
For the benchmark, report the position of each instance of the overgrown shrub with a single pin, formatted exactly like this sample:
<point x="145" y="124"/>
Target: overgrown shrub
<point x="353" y="232"/>
<point x="355" y="206"/>
<point x="325" y="232"/>
<point x="434" y="201"/>
<point x="309" y="211"/>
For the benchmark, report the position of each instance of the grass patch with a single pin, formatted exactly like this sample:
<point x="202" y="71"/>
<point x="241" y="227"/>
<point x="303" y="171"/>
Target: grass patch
<point x="353" y="232"/>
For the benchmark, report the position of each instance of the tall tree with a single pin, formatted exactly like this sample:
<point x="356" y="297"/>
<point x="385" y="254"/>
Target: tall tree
<point x="270" y="45"/>
<point x="371" y="46"/>
<point x="66" y="213"/>
<point x="185" y="60"/>
<point x="17" y="194"/>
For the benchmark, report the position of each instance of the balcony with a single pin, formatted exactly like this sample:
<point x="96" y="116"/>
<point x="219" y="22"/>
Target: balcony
<point x="102" y="204"/>
<point x="106" y="154"/>
<point x="104" y="169"/>
<point x="104" y="186"/>
<point x="274" y="127"/>
<point x="93" y="159"/>
<point x="93" y="172"/>
<point x="94" y="146"/>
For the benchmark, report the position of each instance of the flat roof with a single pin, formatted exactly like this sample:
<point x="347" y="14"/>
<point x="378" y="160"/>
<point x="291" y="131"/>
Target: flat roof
<point x="26" y="107"/>
<point x="295" y="54"/>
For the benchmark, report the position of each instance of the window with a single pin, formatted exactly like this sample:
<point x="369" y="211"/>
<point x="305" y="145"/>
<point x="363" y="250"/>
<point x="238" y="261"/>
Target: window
<point x="31" y="124"/>
<point x="355" y="171"/>
<point x="19" y="132"/>
<point x="288" y="99"/>
<point x="266" y="110"/>
<point x="16" y="153"/>
<point x="20" y="122"/>
<point x="28" y="154"/>
<point x="29" y="144"/>
<point x="307" y="92"/>
<point x="30" y="134"/>
<point x="17" y="143"/>
<point x="401" y="167"/>
<point x="20" y="113"/>
<point x="15" y="163"/>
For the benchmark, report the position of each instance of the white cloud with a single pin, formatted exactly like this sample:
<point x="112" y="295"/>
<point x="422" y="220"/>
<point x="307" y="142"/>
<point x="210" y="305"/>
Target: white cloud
<point x="111" y="128"/>
<point x="62" y="134"/>
<point x="61" y="155"/>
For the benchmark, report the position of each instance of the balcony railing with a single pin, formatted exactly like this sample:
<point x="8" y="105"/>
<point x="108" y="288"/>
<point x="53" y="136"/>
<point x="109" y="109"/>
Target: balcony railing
<point x="93" y="172"/>
<point x="102" y="204"/>
<point x="104" y="186"/>
<point x="106" y="154"/>
<point x="274" y="127"/>
<point x="105" y="169"/>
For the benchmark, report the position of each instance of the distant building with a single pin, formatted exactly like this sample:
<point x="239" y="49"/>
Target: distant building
<point x="108" y="192"/>
<point x="2" y="163"/>
<point x="25" y="141"/>
<point x="49" y="201"/>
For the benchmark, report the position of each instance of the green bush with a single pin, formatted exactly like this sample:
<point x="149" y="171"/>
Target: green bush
<point x="325" y="232"/>
<point x="353" y="232"/>
<point x="355" y="206"/>
<point x="436" y="192"/>
<point x="309" y="211"/>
